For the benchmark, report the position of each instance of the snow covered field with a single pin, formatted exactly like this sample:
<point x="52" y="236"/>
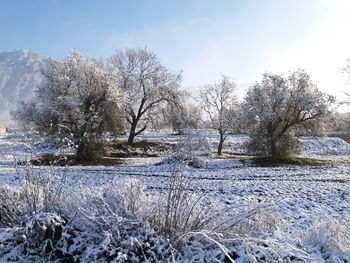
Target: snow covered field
<point x="299" y="197"/>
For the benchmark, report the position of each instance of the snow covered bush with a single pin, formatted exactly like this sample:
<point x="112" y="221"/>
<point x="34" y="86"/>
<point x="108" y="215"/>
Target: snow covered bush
<point x="197" y="162"/>
<point x="190" y="160"/>
<point x="330" y="239"/>
<point x="182" y="212"/>
<point x="39" y="192"/>
<point x="194" y="144"/>
<point x="91" y="225"/>
<point x="133" y="193"/>
<point x="279" y="107"/>
<point x="12" y="206"/>
<point x="190" y="150"/>
<point x="112" y="218"/>
<point x="43" y="231"/>
<point x="44" y="237"/>
<point x="177" y="210"/>
<point x="41" y="189"/>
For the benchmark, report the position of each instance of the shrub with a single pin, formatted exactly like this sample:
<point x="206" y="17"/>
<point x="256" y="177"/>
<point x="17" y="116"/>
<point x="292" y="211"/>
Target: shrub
<point x="91" y="151"/>
<point x="12" y="206"/>
<point x="327" y="236"/>
<point x="287" y="145"/>
<point x="44" y="231"/>
<point x="189" y="150"/>
<point x="197" y="162"/>
<point x="266" y="160"/>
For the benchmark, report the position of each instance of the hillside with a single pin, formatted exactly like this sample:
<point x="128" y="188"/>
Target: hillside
<point x="20" y="74"/>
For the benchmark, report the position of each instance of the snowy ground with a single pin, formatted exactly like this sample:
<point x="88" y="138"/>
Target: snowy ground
<point x="301" y="195"/>
<point x="301" y="192"/>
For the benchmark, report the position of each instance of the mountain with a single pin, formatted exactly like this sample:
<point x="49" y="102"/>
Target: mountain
<point x="20" y="74"/>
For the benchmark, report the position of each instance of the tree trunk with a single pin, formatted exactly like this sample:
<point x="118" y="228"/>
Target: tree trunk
<point x="81" y="151"/>
<point x="132" y="134"/>
<point x="273" y="149"/>
<point x="272" y="141"/>
<point x="221" y="142"/>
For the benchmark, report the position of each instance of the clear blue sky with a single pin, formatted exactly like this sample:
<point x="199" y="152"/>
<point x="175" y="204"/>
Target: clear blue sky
<point x="204" y="38"/>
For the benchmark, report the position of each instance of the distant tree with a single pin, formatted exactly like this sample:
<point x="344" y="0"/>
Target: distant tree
<point x="340" y="122"/>
<point x="346" y="70"/>
<point x="278" y="107"/>
<point x="79" y="100"/>
<point x="31" y="114"/>
<point x="148" y="86"/>
<point x="219" y="103"/>
<point x="180" y="118"/>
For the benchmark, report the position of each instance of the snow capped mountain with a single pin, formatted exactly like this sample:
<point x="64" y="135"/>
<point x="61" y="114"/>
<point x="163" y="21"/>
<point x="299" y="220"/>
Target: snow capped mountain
<point x="20" y="74"/>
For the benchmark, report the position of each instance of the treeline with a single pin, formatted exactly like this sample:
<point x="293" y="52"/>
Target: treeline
<point x="83" y="98"/>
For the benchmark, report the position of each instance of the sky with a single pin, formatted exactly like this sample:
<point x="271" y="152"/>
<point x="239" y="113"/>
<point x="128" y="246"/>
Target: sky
<point x="203" y="38"/>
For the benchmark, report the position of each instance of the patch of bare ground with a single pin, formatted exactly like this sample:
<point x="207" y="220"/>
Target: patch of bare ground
<point x="144" y="148"/>
<point x="277" y="161"/>
<point x="49" y="159"/>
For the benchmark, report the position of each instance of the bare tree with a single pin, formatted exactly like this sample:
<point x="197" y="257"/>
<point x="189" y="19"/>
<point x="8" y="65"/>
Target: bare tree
<point x="278" y="107"/>
<point x="220" y="104"/>
<point x="148" y="86"/>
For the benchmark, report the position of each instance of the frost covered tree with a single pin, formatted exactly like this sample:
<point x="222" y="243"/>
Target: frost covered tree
<point x="79" y="100"/>
<point x="219" y="103"/>
<point x="340" y="121"/>
<point x="278" y="107"/>
<point x="148" y="86"/>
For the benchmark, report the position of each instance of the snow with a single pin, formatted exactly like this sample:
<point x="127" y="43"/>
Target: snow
<point x="331" y="148"/>
<point x="302" y="198"/>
